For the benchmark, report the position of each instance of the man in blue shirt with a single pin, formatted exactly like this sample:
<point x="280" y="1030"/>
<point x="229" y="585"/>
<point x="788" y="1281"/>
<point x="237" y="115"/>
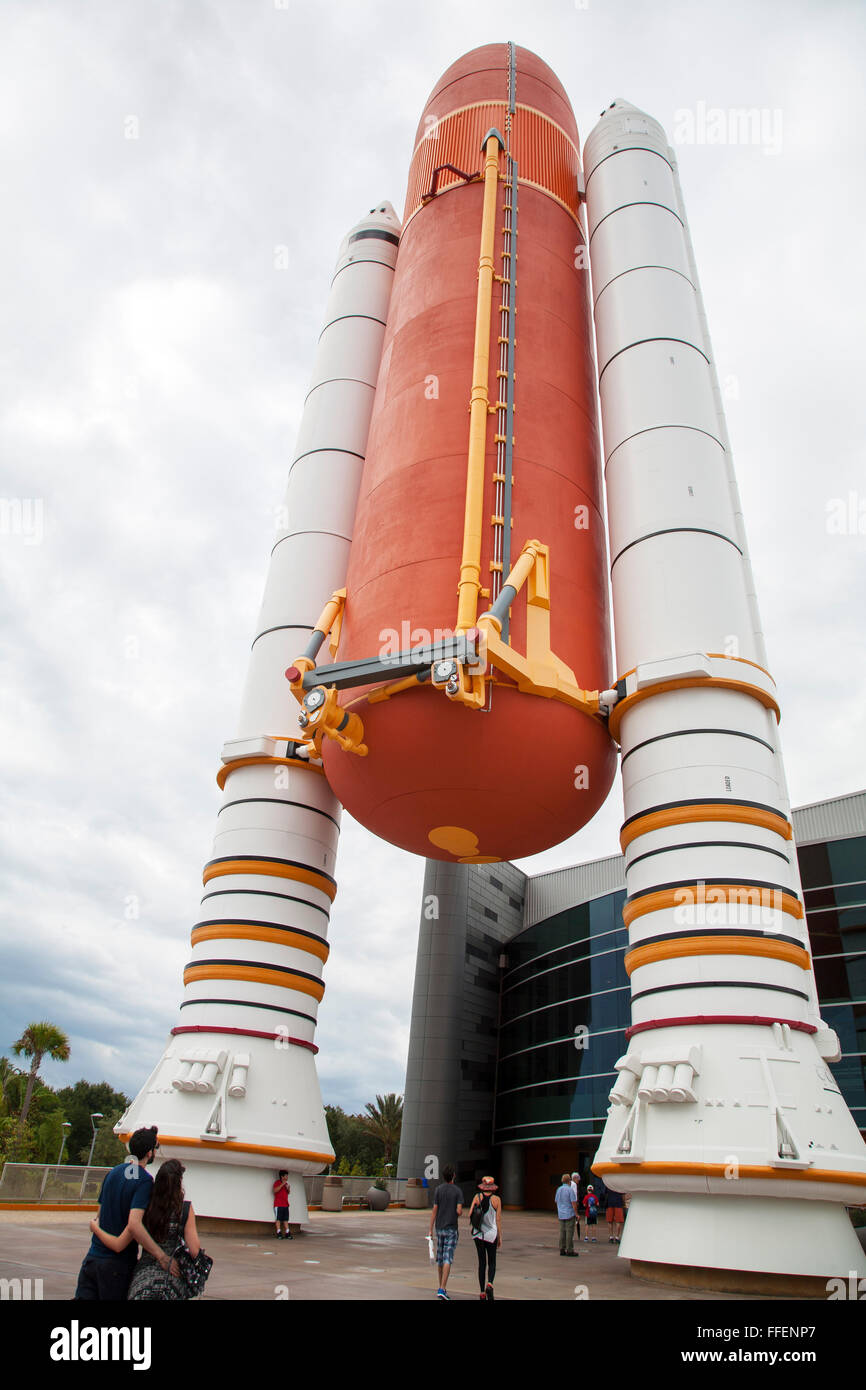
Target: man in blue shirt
<point x="566" y="1210"/>
<point x="123" y="1200"/>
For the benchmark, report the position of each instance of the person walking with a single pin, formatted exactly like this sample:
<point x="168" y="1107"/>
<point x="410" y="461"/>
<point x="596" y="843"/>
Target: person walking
<point x="566" y="1210"/>
<point x="123" y="1200"/>
<point x="485" y="1220"/>
<point x="447" y="1208"/>
<point x="167" y="1220"/>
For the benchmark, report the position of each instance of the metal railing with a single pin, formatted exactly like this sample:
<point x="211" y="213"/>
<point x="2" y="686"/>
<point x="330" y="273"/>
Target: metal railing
<point x="50" y="1182"/>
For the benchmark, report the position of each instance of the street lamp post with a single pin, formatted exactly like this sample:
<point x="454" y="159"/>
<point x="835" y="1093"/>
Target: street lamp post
<point x="95" y="1116"/>
<point x="67" y="1124"/>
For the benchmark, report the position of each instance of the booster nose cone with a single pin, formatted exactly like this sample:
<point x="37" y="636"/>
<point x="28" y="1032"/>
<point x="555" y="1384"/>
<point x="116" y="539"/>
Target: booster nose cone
<point x="622" y="126"/>
<point x="381" y="217"/>
<point x="379" y="228"/>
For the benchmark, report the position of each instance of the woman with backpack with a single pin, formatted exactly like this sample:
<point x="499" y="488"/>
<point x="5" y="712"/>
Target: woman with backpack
<point x="168" y="1220"/>
<point x="485" y="1222"/>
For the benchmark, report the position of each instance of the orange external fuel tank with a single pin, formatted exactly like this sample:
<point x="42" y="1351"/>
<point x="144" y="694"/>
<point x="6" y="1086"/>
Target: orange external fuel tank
<point x="525" y="766"/>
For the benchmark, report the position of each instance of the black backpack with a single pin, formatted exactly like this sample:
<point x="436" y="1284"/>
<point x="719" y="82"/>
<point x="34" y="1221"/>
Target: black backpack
<point x="476" y="1216"/>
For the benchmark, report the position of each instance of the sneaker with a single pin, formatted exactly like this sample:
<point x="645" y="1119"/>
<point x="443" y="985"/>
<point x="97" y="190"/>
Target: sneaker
<point x="563" y="1252"/>
<point x="489" y="1294"/>
<point x="593" y="1240"/>
<point x="288" y="1236"/>
<point x="586" y="1239"/>
<point x="443" y="1294"/>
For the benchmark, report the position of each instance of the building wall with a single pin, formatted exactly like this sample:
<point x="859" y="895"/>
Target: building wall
<point x="468" y="912"/>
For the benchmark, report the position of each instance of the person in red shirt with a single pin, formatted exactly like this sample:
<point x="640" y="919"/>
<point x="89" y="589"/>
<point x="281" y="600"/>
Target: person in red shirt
<point x="281" y="1205"/>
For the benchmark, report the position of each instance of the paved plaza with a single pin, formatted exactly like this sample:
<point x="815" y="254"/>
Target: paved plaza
<point x="350" y="1256"/>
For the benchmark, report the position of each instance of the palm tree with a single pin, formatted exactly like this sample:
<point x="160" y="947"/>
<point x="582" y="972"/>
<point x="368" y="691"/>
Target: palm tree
<point x="37" y="1041"/>
<point x="384" y="1121"/>
<point x="7" y="1075"/>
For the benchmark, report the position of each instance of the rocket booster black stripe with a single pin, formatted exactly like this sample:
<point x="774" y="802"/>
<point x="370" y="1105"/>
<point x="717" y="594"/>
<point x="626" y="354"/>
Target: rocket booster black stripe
<point x="708" y="844"/>
<point x="283" y="627"/>
<point x="682" y="733"/>
<point x="675" y="530"/>
<point x="277" y="801"/>
<point x="263" y="893"/>
<point x="715" y="931"/>
<point x="250" y="1004"/>
<point x="720" y="984"/>
<point x="627" y="149"/>
<point x="711" y="881"/>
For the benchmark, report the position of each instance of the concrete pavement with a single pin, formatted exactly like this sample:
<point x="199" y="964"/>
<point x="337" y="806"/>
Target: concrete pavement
<point x="354" y="1256"/>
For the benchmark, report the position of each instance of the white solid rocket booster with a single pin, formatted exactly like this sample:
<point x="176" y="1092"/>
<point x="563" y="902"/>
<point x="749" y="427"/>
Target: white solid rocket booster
<point x="236" y="1091"/>
<point x="726" y="1124"/>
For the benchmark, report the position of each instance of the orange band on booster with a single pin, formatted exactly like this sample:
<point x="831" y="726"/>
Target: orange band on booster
<point x="246" y="931"/>
<point x="721" y="1170"/>
<point x="228" y="768"/>
<point x="715" y="946"/>
<point x="254" y="974"/>
<point x="689" y="683"/>
<point x="271" y="870"/>
<point x="732" y="893"/>
<point x="720" y="810"/>
<point x="182" y="1142"/>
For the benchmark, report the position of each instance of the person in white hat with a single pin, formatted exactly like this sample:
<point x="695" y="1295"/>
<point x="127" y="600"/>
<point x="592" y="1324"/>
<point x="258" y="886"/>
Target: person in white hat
<point x="485" y="1222"/>
<point x="590" y="1207"/>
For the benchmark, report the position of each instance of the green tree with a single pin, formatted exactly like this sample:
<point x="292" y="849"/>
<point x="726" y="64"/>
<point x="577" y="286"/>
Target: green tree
<point x="81" y="1101"/>
<point x="353" y="1145"/>
<point x="17" y="1142"/>
<point x="384" y="1120"/>
<point x="37" y="1041"/>
<point x="49" y="1135"/>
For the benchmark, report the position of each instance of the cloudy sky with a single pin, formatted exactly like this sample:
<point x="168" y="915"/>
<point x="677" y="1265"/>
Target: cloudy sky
<point x="155" y="356"/>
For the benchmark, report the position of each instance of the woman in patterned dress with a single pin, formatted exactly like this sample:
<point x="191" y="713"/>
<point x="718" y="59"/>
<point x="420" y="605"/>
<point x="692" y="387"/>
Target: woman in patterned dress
<point x="168" y="1219"/>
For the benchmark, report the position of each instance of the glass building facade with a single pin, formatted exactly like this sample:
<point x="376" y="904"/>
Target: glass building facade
<point x="565" y="1008"/>
<point x="834" y="888"/>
